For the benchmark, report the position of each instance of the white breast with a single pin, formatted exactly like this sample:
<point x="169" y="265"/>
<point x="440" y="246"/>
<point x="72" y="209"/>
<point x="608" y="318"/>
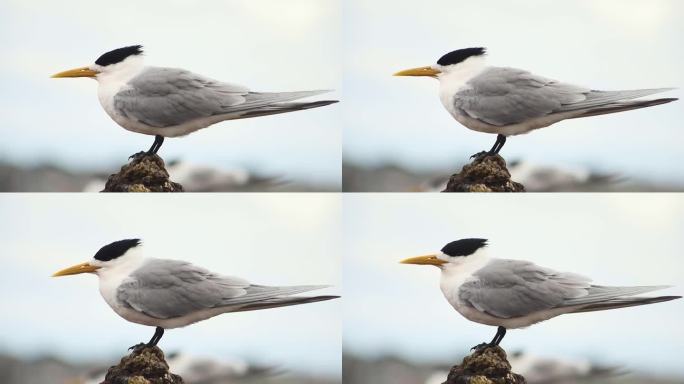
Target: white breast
<point x="113" y="79"/>
<point x="451" y="281"/>
<point x="457" y="272"/>
<point x="454" y="78"/>
<point x="111" y="277"/>
<point x="105" y="93"/>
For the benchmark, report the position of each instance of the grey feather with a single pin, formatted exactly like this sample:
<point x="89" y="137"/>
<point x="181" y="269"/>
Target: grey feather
<point x="514" y="288"/>
<point x="275" y="109"/>
<point x="624" y="106"/>
<point x="506" y="96"/>
<point x="164" y="97"/>
<point x="598" y="293"/>
<point x="284" y="302"/>
<point x="601" y="98"/>
<point x="624" y="303"/>
<point x="168" y="288"/>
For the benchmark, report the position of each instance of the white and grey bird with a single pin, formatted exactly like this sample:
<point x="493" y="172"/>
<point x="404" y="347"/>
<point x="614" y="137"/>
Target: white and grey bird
<point x="171" y="102"/>
<point x="170" y="294"/>
<point x="508" y="101"/>
<point x="513" y="294"/>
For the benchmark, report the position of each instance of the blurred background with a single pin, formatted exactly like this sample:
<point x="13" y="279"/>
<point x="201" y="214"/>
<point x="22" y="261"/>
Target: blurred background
<point x="398" y="327"/>
<point x="398" y="137"/>
<point x="62" y="331"/>
<point x="56" y="137"/>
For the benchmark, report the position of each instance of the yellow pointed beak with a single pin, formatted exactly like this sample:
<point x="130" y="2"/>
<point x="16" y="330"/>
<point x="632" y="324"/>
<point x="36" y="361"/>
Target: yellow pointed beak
<point x="76" y="269"/>
<point x="76" y="72"/>
<point x="424" y="260"/>
<point x="422" y="71"/>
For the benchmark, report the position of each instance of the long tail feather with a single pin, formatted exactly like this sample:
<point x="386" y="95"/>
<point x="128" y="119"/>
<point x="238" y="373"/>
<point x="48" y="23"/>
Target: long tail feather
<point x="275" y="109"/>
<point x="601" y="293"/>
<point x="284" y="302"/>
<point x="597" y="99"/>
<point x="624" y="303"/>
<point x="624" y="106"/>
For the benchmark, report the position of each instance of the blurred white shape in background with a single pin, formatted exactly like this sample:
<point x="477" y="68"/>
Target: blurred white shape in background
<point x="202" y="370"/>
<point x="546" y="370"/>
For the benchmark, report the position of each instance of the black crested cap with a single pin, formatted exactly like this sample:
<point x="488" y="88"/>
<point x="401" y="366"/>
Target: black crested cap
<point x="457" y="56"/>
<point x="118" y="55"/>
<point x="463" y="247"/>
<point x="116" y="249"/>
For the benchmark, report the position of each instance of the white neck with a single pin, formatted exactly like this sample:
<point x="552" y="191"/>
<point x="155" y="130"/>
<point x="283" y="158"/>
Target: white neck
<point x="121" y="73"/>
<point x="121" y="266"/>
<point x="455" y="76"/>
<point x="113" y="79"/>
<point x="116" y="271"/>
<point x="457" y="271"/>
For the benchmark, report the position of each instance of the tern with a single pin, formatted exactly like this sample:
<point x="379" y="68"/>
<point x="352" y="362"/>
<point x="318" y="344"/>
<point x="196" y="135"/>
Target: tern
<point x="509" y="101"/>
<point x="170" y="294"/>
<point x="171" y="102"/>
<point x="513" y="294"/>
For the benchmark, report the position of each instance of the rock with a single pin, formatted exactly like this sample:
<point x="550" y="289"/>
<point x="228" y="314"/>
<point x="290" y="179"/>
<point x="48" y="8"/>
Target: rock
<point x="484" y="174"/>
<point x="145" y="173"/>
<point x="488" y="365"/>
<point x="145" y="365"/>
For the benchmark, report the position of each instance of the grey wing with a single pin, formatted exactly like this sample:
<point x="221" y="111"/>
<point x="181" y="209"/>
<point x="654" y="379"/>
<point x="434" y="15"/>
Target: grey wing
<point x="168" y="288"/>
<point x="505" y="96"/>
<point x="163" y="97"/>
<point x="513" y="288"/>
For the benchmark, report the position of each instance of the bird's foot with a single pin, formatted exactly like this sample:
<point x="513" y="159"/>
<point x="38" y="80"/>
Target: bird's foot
<point x="482" y="346"/>
<point x="481" y="155"/>
<point x="137" y="347"/>
<point x="138" y="155"/>
<point x="140" y="346"/>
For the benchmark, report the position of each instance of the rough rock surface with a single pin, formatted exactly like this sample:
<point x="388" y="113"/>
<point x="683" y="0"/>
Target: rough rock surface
<point x="484" y="366"/>
<point x="145" y="365"/>
<point x="484" y="174"/>
<point x="144" y="173"/>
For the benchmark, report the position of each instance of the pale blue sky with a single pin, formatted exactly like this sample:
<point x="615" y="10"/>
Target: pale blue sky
<point x="267" y="45"/>
<point x="269" y="239"/>
<point x="628" y="239"/>
<point x="603" y="44"/>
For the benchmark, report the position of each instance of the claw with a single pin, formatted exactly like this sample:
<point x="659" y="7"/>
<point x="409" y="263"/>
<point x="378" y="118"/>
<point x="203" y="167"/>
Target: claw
<point x="138" y="155"/>
<point x="481" y="155"/>
<point x="137" y="346"/>
<point x="480" y="347"/>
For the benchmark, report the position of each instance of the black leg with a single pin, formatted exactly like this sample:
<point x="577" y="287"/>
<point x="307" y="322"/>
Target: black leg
<point x="503" y="141"/>
<point x="158" y="141"/>
<point x="151" y="150"/>
<point x="500" y="141"/>
<point x="500" y="333"/>
<point x="158" y="333"/>
<point x="498" y="144"/>
<point x="493" y="150"/>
